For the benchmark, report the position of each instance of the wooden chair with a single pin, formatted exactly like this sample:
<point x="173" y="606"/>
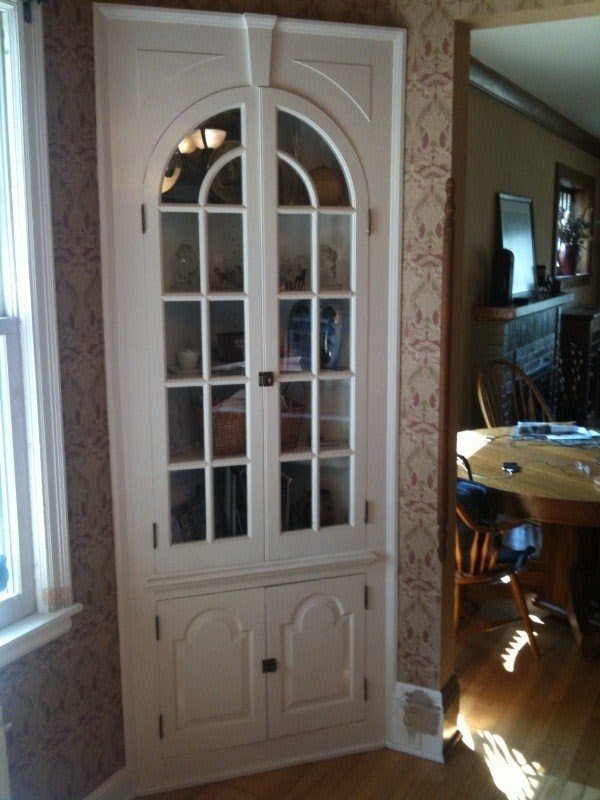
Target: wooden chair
<point x="507" y="395"/>
<point x="480" y="555"/>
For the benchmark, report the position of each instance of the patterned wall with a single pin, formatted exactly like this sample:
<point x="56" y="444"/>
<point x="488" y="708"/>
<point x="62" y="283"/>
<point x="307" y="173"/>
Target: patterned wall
<point x="64" y="700"/>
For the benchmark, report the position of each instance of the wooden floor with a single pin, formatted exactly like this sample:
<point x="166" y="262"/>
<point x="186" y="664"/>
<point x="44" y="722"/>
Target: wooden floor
<point x="533" y="732"/>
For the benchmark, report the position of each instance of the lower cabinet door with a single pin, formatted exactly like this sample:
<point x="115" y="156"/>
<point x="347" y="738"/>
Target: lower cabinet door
<point x="315" y="630"/>
<point x="212" y="689"/>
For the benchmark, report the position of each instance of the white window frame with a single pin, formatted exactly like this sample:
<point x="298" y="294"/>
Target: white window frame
<point x="32" y="301"/>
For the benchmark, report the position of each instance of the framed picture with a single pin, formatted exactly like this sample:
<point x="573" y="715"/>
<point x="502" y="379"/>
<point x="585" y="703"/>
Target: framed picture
<point x="516" y="233"/>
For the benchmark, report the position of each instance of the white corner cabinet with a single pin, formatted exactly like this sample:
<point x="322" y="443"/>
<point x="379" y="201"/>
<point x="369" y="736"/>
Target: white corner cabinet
<point x="250" y="182"/>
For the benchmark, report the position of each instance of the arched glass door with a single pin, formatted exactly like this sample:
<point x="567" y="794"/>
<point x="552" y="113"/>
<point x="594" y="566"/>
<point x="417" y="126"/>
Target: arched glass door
<point x="255" y="280"/>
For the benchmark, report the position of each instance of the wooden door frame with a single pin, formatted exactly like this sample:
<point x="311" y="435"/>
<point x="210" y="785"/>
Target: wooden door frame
<point x="452" y="277"/>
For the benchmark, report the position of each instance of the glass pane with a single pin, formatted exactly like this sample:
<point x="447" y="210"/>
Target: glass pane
<point x="335" y="238"/>
<point x="334" y="494"/>
<point x="295" y="416"/>
<point x="186" y="424"/>
<point x="334" y="414"/>
<point x="227" y="337"/>
<point x="294" y="252"/>
<point x="181" y="269"/>
<point x="194" y="154"/>
<point x="183" y="338"/>
<point x="292" y="191"/>
<point x="188" y="506"/>
<point x="230" y="502"/>
<point x="9" y="566"/>
<point x="225" y="252"/>
<point x="295" y="326"/>
<point x="226" y="187"/>
<point x="308" y="147"/>
<point x="335" y="322"/>
<point x="296" y="496"/>
<point x="228" y="421"/>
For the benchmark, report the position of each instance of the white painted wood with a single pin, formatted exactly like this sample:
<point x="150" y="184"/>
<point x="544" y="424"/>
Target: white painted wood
<point x="335" y="539"/>
<point x="418" y="722"/>
<point x="393" y="336"/>
<point x="29" y="294"/>
<point x="315" y="630"/>
<point x="237" y="550"/>
<point x="50" y="520"/>
<point x="120" y="786"/>
<point x="126" y="585"/>
<point x="129" y="128"/>
<point x="28" y="634"/>
<point x="211" y="685"/>
<point x="259" y="36"/>
<point x="268" y="574"/>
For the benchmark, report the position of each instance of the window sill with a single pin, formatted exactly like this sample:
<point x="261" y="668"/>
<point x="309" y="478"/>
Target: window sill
<point x="28" y="634"/>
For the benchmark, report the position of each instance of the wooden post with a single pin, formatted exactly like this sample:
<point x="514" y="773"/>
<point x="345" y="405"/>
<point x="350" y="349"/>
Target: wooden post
<point x="444" y="398"/>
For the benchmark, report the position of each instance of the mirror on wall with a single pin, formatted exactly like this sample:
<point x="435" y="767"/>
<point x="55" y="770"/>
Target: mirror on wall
<point x="516" y="233"/>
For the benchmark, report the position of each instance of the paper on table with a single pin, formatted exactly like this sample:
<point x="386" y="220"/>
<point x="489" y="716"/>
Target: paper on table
<point x="581" y="435"/>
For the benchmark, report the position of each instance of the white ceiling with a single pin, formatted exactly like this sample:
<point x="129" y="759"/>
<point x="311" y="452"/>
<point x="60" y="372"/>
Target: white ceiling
<point x="558" y="62"/>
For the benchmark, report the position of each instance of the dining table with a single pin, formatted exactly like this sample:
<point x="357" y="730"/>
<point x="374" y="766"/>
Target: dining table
<point x="555" y="482"/>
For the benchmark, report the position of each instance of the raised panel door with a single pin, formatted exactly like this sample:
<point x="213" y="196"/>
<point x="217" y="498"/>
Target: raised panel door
<point x="316" y="632"/>
<point x="212" y="690"/>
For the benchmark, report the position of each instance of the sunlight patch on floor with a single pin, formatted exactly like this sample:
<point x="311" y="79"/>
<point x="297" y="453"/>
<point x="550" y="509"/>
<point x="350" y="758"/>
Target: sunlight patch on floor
<point x="516" y="644"/>
<point x="515" y="776"/>
<point x="536" y="619"/>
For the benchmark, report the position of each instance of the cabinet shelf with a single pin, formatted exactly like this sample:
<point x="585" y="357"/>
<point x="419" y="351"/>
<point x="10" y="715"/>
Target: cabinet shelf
<point x="182" y="297"/>
<point x="335" y="452"/>
<point x="224" y="209"/>
<point x="179" y="208"/>
<point x="222" y="296"/>
<point x="297" y="455"/>
<point x="338" y="294"/>
<point x="184" y="380"/>
<point x="186" y="461"/>
<point x="335" y="375"/>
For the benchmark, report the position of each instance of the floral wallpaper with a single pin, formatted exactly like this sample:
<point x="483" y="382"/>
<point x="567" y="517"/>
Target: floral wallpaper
<point x="64" y="700"/>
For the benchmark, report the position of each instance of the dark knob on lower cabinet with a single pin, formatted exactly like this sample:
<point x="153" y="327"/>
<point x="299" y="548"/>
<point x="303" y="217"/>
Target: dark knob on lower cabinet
<point x="269" y="665"/>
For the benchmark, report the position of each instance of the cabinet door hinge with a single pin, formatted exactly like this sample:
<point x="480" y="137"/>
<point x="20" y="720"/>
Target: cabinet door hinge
<point x="154" y="535"/>
<point x="366" y="511"/>
<point x="143" y="218"/>
<point x="366" y="689"/>
<point x="369" y="222"/>
<point x="366" y="596"/>
<point x="157" y="627"/>
<point x="160" y="726"/>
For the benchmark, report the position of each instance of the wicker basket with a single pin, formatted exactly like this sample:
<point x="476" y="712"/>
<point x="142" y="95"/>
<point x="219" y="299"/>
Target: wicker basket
<point x="229" y="432"/>
<point x="291" y="423"/>
<point x="229" y="429"/>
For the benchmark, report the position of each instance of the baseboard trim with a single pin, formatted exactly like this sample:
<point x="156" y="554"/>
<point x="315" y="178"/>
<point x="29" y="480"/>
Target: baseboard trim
<point x="424" y="720"/>
<point x="282" y="763"/>
<point x="119" y="786"/>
